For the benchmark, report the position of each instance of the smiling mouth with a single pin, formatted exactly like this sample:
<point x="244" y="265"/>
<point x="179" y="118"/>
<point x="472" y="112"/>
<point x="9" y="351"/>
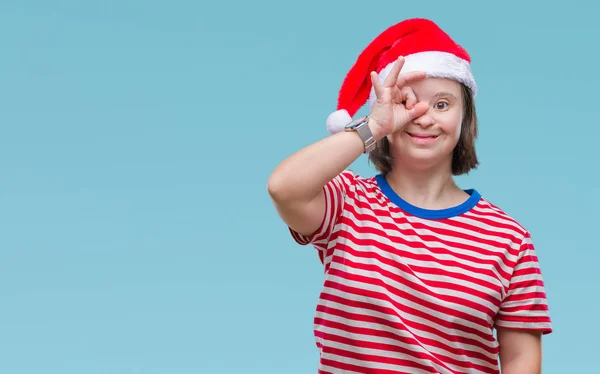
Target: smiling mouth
<point x="422" y="136"/>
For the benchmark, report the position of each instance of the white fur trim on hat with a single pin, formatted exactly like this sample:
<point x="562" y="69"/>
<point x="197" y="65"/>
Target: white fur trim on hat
<point x="337" y="121"/>
<point x="435" y="64"/>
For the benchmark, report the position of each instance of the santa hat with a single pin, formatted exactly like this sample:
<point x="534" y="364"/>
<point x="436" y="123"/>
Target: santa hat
<point x="425" y="47"/>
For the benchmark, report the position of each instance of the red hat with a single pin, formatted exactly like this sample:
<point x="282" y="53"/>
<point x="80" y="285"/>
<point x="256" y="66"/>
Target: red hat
<point x="425" y="47"/>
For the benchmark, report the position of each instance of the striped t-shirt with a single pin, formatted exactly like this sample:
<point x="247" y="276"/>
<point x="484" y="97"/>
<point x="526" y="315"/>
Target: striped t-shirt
<point x="411" y="290"/>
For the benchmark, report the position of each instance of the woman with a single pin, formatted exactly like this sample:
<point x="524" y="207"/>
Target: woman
<point x="418" y="272"/>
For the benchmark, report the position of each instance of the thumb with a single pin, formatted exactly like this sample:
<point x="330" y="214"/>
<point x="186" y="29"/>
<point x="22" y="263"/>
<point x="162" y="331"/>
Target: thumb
<point x="417" y="111"/>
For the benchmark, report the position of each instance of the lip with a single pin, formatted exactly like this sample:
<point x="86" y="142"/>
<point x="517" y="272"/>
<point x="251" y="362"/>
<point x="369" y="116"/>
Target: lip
<point x="422" y="138"/>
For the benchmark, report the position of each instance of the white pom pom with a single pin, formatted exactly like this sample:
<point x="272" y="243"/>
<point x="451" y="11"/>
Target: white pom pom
<point x="337" y="121"/>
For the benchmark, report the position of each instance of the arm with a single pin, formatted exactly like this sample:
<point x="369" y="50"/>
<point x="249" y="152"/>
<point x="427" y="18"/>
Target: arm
<point x="523" y="316"/>
<point x="296" y="185"/>
<point x="520" y="351"/>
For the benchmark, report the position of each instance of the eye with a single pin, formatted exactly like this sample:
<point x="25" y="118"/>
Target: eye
<point x="441" y="105"/>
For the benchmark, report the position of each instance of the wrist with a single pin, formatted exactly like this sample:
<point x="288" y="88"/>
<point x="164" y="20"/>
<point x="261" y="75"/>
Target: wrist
<point x="376" y="130"/>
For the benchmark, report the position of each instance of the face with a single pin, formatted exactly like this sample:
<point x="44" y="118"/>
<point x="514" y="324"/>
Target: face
<point x="429" y="140"/>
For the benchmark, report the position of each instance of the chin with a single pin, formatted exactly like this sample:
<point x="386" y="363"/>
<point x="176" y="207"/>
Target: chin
<point x="422" y="158"/>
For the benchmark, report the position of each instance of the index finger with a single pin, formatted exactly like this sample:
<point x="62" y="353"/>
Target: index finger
<point x="392" y="77"/>
<point x="412" y="76"/>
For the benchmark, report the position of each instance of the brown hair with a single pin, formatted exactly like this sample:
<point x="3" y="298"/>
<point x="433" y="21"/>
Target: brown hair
<point x="464" y="157"/>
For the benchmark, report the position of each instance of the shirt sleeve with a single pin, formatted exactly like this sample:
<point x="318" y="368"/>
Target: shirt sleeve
<point x="525" y="306"/>
<point x="335" y="193"/>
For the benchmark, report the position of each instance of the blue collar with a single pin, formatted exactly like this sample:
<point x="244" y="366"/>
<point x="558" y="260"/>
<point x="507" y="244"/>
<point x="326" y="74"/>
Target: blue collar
<point x="473" y="199"/>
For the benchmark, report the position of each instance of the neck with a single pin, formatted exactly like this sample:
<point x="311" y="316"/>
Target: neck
<point x="432" y="188"/>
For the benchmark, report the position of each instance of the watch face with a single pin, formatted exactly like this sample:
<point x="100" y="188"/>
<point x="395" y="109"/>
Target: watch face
<point x="355" y="123"/>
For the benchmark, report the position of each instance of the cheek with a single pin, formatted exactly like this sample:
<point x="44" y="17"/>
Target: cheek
<point x="454" y="127"/>
<point x="457" y="130"/>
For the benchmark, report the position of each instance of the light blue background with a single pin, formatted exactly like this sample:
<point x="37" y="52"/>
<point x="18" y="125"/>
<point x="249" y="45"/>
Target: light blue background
<point x="136" y="235"/>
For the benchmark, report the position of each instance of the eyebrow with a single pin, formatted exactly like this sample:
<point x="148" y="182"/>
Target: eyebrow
<point x="439" y="94"/>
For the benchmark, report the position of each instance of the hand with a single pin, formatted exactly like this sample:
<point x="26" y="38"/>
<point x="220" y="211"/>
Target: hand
<point x="396" y="104"/>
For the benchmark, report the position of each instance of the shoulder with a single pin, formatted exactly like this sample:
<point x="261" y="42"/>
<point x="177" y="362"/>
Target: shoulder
<point x="349" y="178"/>
<point x="497" y="219"/>
<point x="505" y="231"/>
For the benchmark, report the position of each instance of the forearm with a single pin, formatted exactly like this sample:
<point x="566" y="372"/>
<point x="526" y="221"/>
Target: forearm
<point x="302" y="175"/>
<point x="520" y="351"/>
<point x="522" y="365"/>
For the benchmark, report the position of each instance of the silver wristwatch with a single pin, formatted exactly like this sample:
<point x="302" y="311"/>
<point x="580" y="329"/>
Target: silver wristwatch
<point x="361" y="126"/>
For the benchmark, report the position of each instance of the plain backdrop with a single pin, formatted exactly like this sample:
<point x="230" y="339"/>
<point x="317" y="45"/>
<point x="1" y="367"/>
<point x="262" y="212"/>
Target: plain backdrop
<point x="136" y="234"/>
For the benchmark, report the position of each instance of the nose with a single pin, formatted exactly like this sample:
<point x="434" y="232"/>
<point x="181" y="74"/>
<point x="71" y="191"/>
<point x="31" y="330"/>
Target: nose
<point x="425" y="120"/>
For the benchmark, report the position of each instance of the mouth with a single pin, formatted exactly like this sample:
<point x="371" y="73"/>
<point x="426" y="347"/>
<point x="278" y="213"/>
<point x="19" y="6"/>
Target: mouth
<point x="422" y="136"/>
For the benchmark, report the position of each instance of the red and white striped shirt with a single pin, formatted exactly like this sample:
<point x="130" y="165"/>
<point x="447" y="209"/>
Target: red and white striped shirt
<point x="410" y="290"/>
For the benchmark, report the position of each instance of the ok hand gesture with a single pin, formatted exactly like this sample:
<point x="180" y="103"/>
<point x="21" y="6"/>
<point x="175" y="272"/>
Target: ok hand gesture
<point x="396" y="104"/>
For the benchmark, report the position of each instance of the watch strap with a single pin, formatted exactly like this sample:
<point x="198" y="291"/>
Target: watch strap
<point x="361" y="126"/>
